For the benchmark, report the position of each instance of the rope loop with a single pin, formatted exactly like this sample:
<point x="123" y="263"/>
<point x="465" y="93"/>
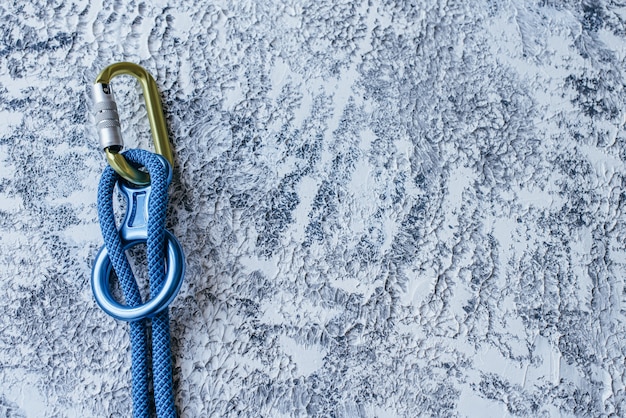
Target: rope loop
<point x="144" y="222"/>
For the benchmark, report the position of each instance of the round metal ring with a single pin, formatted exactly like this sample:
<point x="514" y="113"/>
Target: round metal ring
<point x="101" y="283"/>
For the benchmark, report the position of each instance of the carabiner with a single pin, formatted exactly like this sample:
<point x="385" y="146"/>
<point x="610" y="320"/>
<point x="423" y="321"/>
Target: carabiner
<point x="108" y="122"/>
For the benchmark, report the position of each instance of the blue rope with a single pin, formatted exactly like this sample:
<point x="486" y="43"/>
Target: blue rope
<point x="161" y="352"/>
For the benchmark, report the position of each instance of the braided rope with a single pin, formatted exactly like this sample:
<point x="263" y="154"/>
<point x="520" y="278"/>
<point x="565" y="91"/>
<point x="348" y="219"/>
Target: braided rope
<point x="161" y="352"/>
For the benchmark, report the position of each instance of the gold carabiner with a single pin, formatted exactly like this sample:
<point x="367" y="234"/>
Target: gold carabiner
<point x="107" y="120"/>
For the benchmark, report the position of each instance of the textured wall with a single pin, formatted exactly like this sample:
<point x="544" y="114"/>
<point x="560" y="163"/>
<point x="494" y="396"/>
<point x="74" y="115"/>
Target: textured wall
<point x="389" y="209"/>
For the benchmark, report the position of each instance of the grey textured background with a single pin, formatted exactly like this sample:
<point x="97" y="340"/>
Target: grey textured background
<point x="389" y="209"/>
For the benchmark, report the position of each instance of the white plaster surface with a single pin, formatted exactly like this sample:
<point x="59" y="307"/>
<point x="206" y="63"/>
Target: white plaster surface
<point x="388" y="208"/>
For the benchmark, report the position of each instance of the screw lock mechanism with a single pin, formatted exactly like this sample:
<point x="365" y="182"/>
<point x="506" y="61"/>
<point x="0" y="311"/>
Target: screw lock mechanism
<point x="107" y="118"/>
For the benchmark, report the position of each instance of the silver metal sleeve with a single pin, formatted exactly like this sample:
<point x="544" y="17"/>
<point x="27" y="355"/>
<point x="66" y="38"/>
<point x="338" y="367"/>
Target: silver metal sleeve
<point x="107" y="119"/>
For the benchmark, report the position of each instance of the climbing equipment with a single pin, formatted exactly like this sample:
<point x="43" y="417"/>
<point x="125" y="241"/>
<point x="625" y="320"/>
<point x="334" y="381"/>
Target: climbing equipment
<point x="108" y="124"/>
<point x="146" y="197"/>
<point x="144" y="222"/>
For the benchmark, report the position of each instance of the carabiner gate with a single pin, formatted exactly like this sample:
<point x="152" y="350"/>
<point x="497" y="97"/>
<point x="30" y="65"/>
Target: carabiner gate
<point x="108" y="122"/>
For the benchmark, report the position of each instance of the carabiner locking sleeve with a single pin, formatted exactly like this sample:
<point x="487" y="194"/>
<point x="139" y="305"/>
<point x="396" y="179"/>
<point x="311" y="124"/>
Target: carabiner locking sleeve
<point x="108" y="122"/>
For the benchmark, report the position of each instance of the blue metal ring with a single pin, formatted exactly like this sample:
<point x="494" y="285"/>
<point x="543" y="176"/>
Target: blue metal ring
<point x="101" y="280"/>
